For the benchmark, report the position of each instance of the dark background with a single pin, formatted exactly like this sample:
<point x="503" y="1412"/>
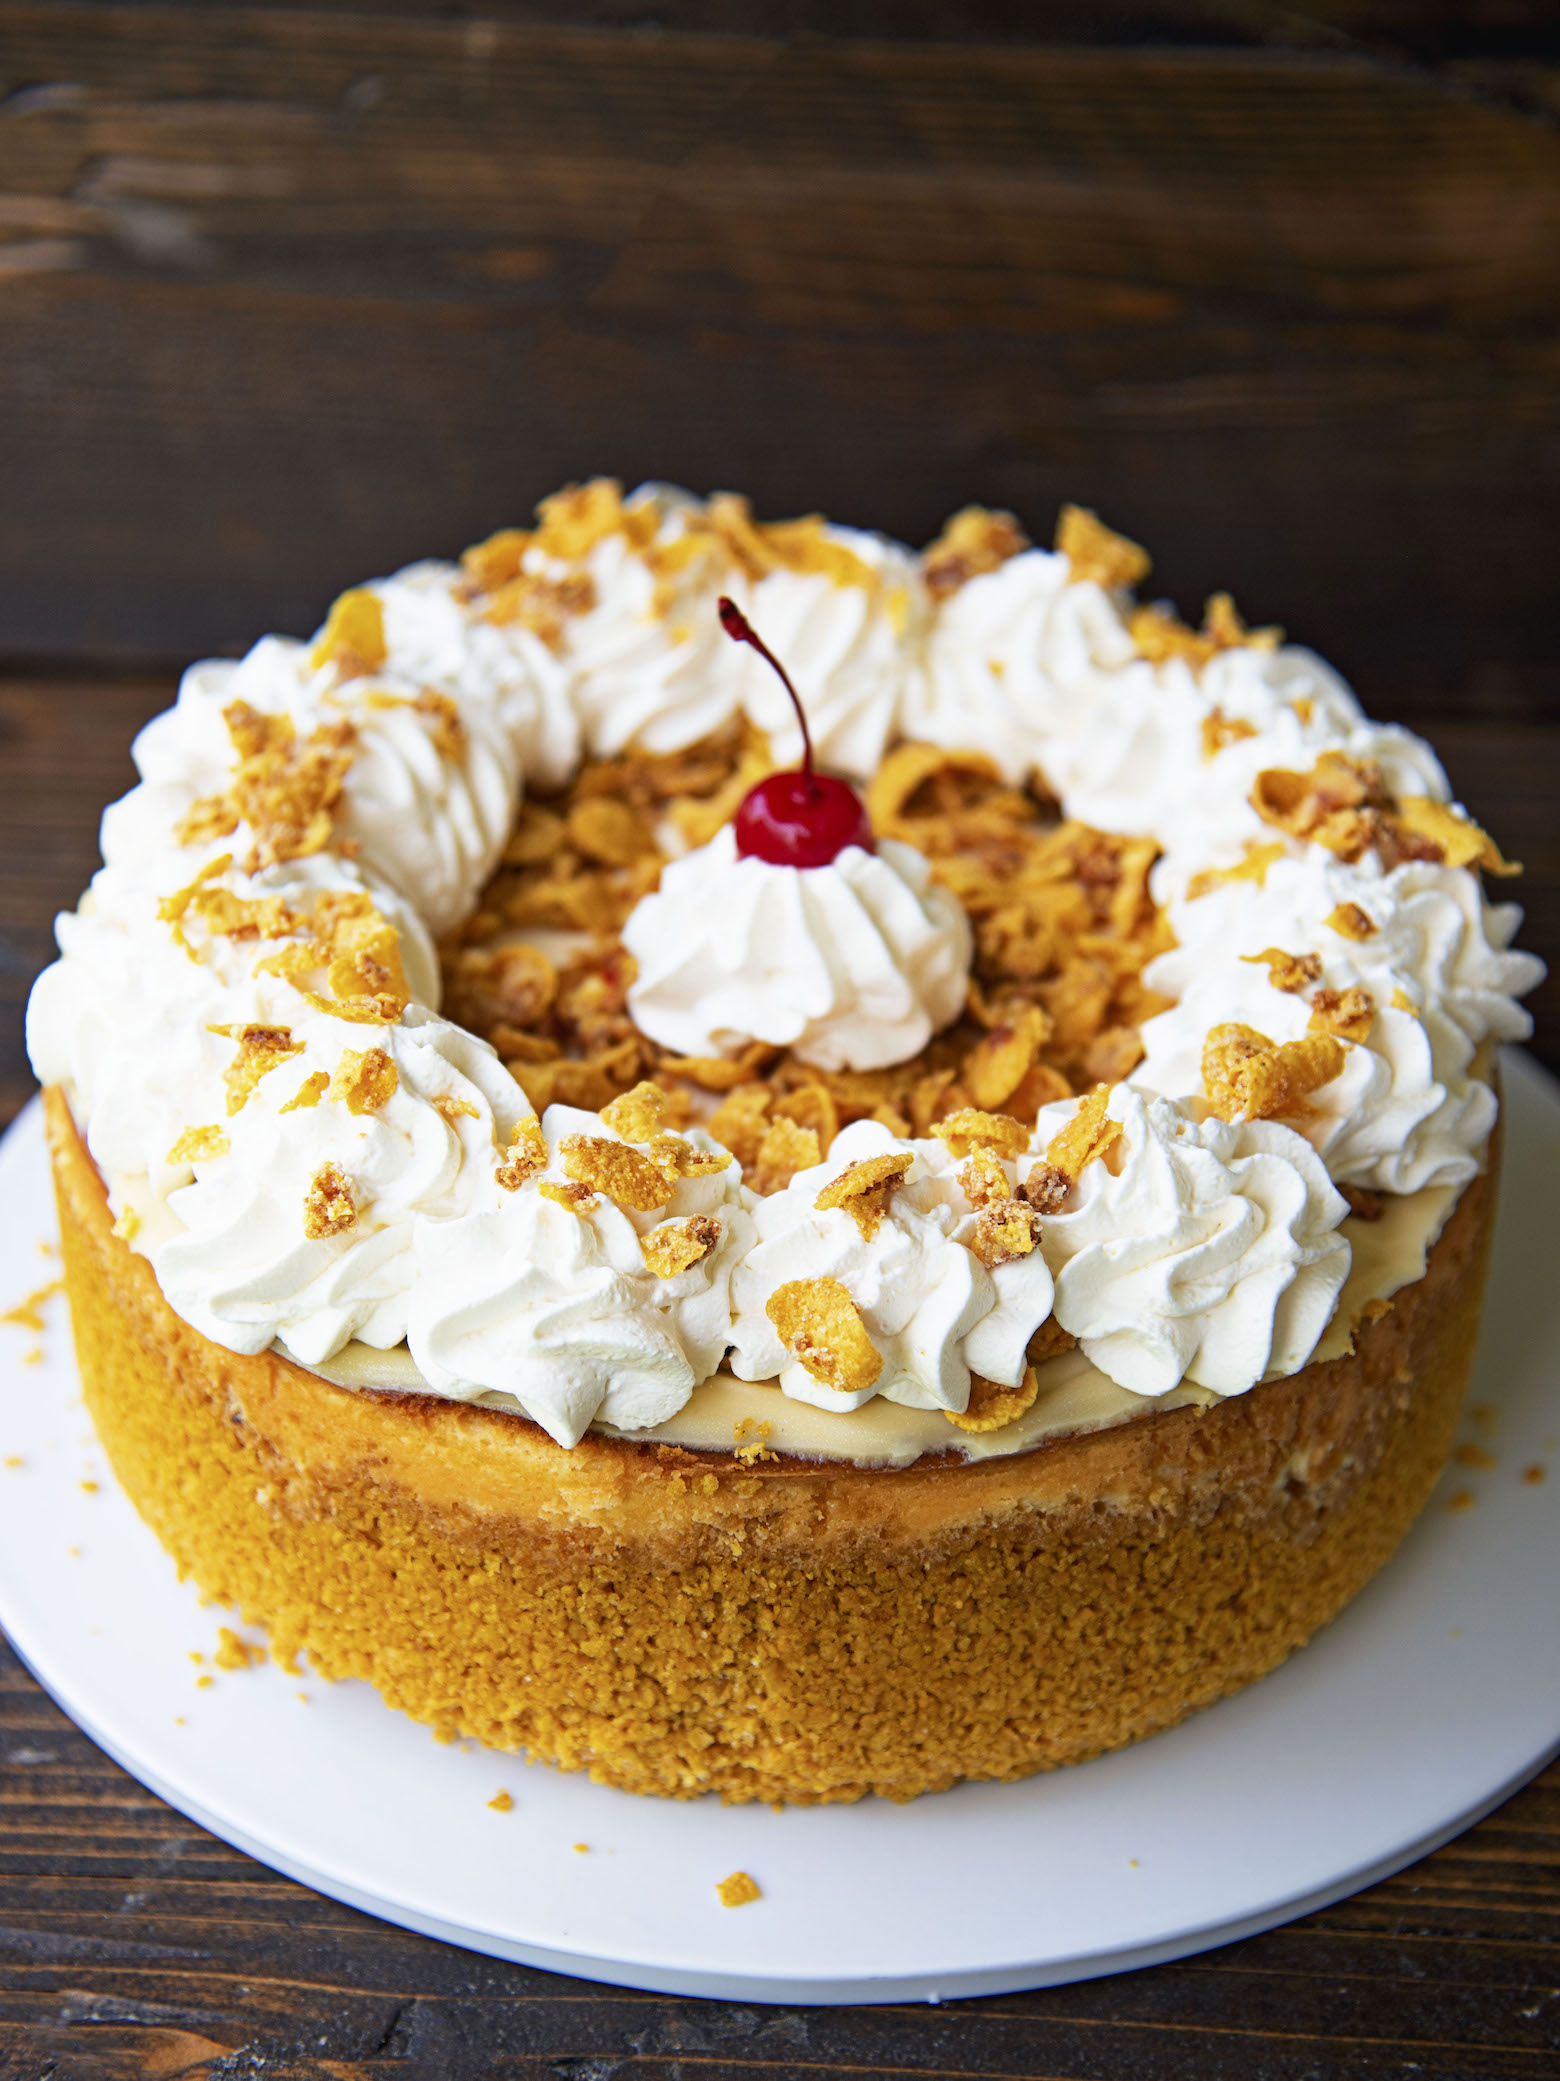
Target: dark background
<point x="291" y="296"/>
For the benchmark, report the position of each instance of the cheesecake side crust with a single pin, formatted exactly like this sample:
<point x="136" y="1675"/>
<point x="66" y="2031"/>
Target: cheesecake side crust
<point x="787" y="1631"/>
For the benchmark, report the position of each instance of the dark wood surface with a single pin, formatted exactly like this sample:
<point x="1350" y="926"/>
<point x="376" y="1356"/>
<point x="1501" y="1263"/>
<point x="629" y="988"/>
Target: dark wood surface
<point x="291" y="294"/>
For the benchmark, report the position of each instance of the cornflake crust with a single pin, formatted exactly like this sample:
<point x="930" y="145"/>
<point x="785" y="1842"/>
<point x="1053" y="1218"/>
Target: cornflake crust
<point x="990" y="1407"/>
<point x="817" y="1322"/>
<point x="863" y="1190"/>
<point x="1249" y="1077"/>
<point x="328" y="1208"/>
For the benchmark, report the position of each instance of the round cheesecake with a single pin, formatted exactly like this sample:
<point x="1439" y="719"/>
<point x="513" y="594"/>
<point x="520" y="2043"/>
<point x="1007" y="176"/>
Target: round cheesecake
<point x="813" y="1316"/>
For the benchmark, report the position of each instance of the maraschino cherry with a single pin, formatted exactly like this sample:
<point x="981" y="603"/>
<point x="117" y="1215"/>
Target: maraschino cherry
<point x="801" y="819"/>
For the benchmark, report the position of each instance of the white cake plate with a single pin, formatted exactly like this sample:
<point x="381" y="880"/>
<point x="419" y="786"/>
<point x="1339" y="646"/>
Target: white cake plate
<point x="1434" y="1695"/>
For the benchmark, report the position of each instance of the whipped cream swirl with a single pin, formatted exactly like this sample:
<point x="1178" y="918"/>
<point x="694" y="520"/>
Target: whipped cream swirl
<point x="933" y="1311"/>
<point x="854" y="965"/>
<point x="1196" y="1250"/>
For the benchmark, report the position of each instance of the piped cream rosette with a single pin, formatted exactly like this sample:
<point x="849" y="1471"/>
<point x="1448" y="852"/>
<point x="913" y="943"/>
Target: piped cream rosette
<point x="244" y="1015"/>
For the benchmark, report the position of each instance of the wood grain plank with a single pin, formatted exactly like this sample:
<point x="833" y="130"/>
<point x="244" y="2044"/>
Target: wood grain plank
<point x="316" y="294"/>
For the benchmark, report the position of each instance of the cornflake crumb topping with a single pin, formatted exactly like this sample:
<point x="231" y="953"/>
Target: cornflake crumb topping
<point x="970" y="1128"/>
<point x="198" y="1143"/>
<point x="638" y="1114"/>
<point x="260" y="1050"/>
<point x="1160" y="635"/>
<point x="863" y="1190"/>
<point x="818" y="1324"/>
<point x="676" y="1245"/>
<point x="1004" y="1233"/>
<point x="284" y="790"/>
<point x="1345" y="805"/>
<point x="1350" y="1014"/>
<point x="359" y="953"/>
<point x="1351" y="921"/>
<point x="616" y="1169"/>
<point x="1094" y="551"/>
<point x="1249" y="1077"/>
<point x="1252" y="867"/>
<point x="452" y="1110"/>
<point x="1220" y="730"/>
<point x="737" y="1890"/>
<point x="1090" y="1133"/>
<point x="309" y="1092"/>
<point x="1294" y="973"/>
<point x="983" y="1181"/>
<point x="525" y="1156"/>
<point x="571" y="1194"/>
<point x="364" y="1082"/>
<point x="975" y="541"/>
<point x="784" y="1150"/>
<point x="328" y="1207"/>
<point x="353" y="638"/>
<point x="991" y="1406"/>
<point x="1046" y="1188"/>
<point x="446" y="731"/>
<point x="750" y="1437"/>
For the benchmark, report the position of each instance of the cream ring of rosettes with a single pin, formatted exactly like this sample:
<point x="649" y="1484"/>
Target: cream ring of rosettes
<point x="242" y="1014"/>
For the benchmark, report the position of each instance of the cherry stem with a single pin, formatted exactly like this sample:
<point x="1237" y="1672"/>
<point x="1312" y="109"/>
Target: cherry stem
<point x="741" y="630"/>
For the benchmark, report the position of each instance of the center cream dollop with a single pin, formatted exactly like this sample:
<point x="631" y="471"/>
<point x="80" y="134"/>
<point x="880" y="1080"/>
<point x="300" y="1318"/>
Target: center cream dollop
<point x="853" y="966"/>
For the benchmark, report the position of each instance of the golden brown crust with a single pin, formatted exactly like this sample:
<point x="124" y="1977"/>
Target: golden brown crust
<point x="774" y="1629"/>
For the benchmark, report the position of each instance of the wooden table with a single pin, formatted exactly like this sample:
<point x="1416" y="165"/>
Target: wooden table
<point x="287" y="296"/>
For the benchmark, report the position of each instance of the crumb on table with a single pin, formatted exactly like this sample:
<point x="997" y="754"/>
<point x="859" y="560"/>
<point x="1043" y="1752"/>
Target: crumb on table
<point x="737" y="1890"/>
<point x="502" y="1802"/>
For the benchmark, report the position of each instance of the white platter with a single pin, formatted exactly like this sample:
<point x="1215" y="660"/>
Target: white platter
<point x="1435" y="1694"/>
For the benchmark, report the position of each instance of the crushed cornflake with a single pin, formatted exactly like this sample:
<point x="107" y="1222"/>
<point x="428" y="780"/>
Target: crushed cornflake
<point x="1046" y="1188"/>
<point x="983" y="1180"/>
<point x="1004" y="1233"/>
<point x="819" y="1325"/>
<point x="441" y="712"/>
<point x="863" y="1190"/>
<point x="1291" y="972"/>
<point x="526" y="1155"/>
<point x="1350" y="1014"/>
<point x="750" y="1437"/>
<point x="543" y="605"/>
<point x="737" y="1890"/>
<point x="570" y="1193"/>
<point x="1351" y="921"/>
<point x="616" y="1169"/>
<point x="1063" y="918"/>
<point x="976" y="540"/>
<point x="1160" y="635"/>
<point x="1093" y="551"/>
<point x="1252" y="867"/>
<point x="353" y="638"/>
<point x="328" y="1208"/>
<point x="1460" y="841"/>
<point x="1089" y="1134"/>
<point x="452" y="1110"/>
<point x="260" y="1050"/>
<point x="127" y="1224"/>
<point x="1249" y="1077"/>
<point x="284" y="790"/>
<point x="309" y="1092"/>
<point x="970" y="1128"/>
<point x="1220" y="730"/>
<point x="638" y="1114"/>
<point x="1402" y="1002"/>
<point x="676" y="1245"/>
<point x="364" y="1081"/>
<point x="990" y="1406"/>
<point x="1049" y="1341"/>
<point x="1345" y="805"/>
<point x="356" y="953"/>
<point x="785" y="1149"/>
<point x="196" y="1144"/>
